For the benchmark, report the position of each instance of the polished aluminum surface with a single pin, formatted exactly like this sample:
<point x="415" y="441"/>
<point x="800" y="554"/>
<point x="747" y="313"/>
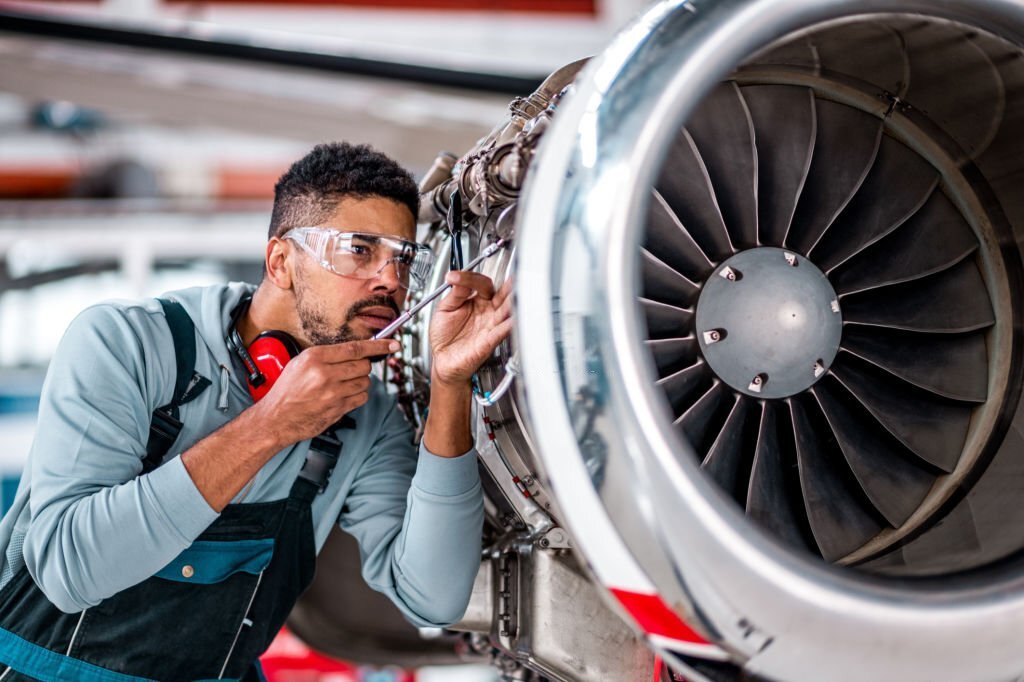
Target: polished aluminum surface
<point x="780" y="615"/>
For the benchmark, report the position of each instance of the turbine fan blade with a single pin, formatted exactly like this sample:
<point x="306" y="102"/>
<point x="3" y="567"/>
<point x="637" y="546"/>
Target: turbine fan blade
<point x="799" y="53"/>
<point x="666" y="321"/>
<point x="869" y="52"/>
<point x="975" y="115"/>
<point x="672" y="355"/>
<point x="784" y="127"/>
<point x="770" y="499"/>
<point x="950" y="365"/>
<point x="663" y="284"/>
<point x="835" y="504"/>
<point x="668" y="239"/>
<point x="933" y="429"/>
<point x="684" y="385"/>
<point x="687" y="189"/>
<point x="895" y="486"/>
<point x="726" y="461"/>
<point x="698" y="421"/>
<point x="951" y="301"/>
<point x="724" y="134"/>
<point x="844" y="150"/>
<point x="933" y="239"/>
<point x="877" y="210"/>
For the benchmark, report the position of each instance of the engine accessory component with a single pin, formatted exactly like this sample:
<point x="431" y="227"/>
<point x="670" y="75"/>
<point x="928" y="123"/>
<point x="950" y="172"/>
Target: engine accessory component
<point x="551" y="619"/>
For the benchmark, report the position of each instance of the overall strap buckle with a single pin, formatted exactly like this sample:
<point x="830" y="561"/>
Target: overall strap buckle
<point x="324" y="451"/>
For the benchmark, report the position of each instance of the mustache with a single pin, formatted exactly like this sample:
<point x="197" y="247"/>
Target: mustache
<point x="382" y="300"/>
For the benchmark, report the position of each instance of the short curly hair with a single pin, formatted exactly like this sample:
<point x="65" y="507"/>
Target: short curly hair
<point x="308" y="193"/>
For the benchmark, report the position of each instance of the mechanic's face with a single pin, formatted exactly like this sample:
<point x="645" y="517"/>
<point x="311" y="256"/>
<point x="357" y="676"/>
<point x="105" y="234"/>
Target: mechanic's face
<point x="334" y="308"/>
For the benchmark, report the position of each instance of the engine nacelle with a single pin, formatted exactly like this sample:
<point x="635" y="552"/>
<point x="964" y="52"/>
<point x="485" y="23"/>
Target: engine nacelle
<point x="768" y="355"/>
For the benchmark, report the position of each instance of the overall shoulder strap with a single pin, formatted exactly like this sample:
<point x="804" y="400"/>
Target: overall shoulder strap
<point x="324" y="452"/>
<point x="188" y="384"/>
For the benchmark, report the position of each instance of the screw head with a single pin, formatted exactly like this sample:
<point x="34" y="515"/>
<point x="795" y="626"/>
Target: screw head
<point x="835" y="306"/>
<point x="791" y="258"/>
<point x="729" y="274"/>
<point x="713" y="336"/>
<point x="819" y="368"/>
<point x="758" y="382"/>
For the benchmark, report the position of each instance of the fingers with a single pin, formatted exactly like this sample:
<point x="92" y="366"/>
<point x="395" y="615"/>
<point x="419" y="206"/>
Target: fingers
<point x="353" y="387"/>
<point x="503" y="294"/>
<point x="351" y="370"/>
<point x="354" y="401"/>
<point x="455" y="298"/>
<point x="467" y="285"/>
<point x="504" y="309"/>
<point x="354" y="350"/>
<point x="481" y="284"/>
<point x="499" y="332"/>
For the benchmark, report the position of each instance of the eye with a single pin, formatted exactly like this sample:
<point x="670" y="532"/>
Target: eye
<point x="360" y="250"/>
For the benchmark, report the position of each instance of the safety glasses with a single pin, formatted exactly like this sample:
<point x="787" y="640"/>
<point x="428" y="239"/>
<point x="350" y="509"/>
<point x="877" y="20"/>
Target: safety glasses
<point x="364" y="255"/>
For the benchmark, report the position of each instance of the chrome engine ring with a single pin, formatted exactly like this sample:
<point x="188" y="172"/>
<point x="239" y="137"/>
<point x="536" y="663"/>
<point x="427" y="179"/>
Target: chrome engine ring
<point x="776" y="613"/>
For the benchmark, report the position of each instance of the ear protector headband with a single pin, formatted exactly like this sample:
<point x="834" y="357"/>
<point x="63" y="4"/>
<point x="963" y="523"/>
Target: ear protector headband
<point x="266" y="356"/>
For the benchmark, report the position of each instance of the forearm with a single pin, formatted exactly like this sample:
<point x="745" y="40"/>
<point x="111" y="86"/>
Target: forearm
<point x="441" y="553"/>
<point x="447" y="432"/>
<point x="420" y="547"/>
<point x="225" y="461"/>
<point x="315" y="390"/>
<point x="83" y="550"/>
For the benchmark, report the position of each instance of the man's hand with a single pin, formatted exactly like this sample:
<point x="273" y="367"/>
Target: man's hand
<point x="468" y="324"/>
<point x="320" y="386"/>
<point x="317" y="388"/>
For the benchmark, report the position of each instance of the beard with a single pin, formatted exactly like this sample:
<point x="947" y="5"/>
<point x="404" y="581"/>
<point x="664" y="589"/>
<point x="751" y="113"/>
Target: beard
<point x="316" y="325"/>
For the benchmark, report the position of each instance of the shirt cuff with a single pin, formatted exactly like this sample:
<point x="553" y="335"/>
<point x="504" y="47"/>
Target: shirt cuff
<point x="447" y="476"/>
<point x="177" y="495"/>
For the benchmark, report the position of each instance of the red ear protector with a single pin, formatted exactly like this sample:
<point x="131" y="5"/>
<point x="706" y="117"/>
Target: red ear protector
<point x="266" y="356"/>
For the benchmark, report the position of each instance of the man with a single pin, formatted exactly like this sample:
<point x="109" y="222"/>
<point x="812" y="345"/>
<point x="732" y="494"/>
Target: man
<point x="124" y="565"/>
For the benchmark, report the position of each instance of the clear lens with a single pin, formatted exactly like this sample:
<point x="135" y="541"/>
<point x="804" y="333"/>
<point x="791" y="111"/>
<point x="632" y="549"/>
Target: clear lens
<point x="364" y="256"/>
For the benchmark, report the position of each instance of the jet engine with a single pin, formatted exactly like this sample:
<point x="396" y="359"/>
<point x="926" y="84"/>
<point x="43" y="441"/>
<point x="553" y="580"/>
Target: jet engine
<point x="761" y="412"/>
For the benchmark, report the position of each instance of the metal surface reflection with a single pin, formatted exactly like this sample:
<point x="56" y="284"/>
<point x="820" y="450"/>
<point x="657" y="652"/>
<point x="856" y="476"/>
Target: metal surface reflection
<point x="652" y="515"/>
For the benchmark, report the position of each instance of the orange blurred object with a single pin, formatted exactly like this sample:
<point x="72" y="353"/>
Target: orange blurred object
<point x="43" y="182"/>
<point x="246" y="182"/>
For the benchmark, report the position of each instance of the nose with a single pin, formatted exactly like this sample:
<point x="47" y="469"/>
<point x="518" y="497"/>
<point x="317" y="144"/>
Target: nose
<point x="387" y="280"/>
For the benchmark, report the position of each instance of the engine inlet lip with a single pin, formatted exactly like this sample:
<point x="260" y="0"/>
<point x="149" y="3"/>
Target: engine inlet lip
<point x="719" y="556"/>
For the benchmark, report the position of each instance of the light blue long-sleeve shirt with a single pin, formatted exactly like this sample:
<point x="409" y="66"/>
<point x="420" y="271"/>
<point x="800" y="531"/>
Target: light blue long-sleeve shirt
<point x="88" y="525"/>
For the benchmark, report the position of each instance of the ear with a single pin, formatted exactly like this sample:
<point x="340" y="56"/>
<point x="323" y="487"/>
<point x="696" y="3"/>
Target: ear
<point x="278" y="265"/>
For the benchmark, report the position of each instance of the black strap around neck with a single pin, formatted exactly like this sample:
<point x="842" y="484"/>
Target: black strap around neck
<point x="188" y="384"/>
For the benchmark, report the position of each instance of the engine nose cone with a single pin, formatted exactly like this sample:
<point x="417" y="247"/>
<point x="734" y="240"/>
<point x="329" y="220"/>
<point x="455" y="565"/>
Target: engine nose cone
<point x="768" y="322"/>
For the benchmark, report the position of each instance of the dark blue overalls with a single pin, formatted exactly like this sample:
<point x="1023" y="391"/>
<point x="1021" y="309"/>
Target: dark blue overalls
<point x="207" y="615"/>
